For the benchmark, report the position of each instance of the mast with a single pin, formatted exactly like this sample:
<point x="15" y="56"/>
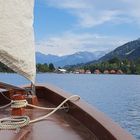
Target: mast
<point x="17" y="49"/>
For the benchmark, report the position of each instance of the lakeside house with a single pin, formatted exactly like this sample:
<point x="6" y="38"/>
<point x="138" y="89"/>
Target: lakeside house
<point x="79" y="71"/>
<point x="106" y="72"/>
<point x="97" y="71"/>
<point x="87" y="72"/>
<point x="82" y="71"/>
<point x="61" y="71"/>
<point x="76" y="72"/>
<point x="112" y="72"/>
<point x="120" y="72"/>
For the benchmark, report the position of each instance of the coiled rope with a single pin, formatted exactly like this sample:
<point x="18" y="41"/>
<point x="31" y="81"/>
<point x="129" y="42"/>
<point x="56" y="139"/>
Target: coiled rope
<point x="21" y="121"/>
<point x="18" y="103"/>
<point x="14" y="122"/>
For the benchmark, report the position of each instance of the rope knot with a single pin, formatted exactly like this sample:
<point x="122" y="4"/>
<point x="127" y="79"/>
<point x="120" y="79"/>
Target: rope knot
<point x="18" y="103"/>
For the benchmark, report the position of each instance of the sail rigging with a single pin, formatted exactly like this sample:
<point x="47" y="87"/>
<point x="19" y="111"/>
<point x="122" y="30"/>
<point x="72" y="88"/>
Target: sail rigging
<point x="17" y="49"/>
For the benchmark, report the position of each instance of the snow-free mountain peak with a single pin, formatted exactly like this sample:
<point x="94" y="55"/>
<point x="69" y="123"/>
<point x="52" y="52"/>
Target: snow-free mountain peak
<point x="72" y="59"/>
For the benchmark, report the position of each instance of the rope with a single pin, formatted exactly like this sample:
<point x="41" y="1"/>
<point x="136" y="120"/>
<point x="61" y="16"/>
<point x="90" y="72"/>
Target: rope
<point x="71" y="98"/>
<point x="14" y="122"/>
<point x="21" y="121"/>
<point x="18" y="103"/>
<point x="24" y="103"/>
<point x="44" y="108"/>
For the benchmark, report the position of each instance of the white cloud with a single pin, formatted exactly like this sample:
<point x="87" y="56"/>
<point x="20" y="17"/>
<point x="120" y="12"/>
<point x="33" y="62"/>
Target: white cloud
<point x="95" y="12"/>
<point x="69" y="4"/>
<point x="87" y="20"/>
<point x="91" y="13"/>
<point x="70" y="43"/>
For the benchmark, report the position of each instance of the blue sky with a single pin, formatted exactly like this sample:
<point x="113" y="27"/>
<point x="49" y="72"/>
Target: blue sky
<point x="67" y="26"/>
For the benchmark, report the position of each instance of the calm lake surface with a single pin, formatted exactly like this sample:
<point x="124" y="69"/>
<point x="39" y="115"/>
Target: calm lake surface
<point x="118" y="96"/>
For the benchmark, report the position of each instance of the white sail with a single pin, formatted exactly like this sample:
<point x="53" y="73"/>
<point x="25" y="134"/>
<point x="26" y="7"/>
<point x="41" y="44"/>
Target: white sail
<point x="17" y="49"/>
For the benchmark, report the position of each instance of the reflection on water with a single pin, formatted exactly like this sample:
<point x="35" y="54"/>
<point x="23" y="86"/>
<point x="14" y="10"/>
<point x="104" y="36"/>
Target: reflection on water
<point x="116" y="95"/>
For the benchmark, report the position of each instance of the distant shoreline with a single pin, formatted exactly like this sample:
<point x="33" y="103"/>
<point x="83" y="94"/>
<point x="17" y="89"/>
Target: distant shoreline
<point x="68" y="73"/>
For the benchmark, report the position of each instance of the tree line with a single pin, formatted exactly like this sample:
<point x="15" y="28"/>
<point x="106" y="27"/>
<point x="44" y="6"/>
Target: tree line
<point x="127" y="66"/>
<point x="39" y="68"/>
<point x="45" y="67"/>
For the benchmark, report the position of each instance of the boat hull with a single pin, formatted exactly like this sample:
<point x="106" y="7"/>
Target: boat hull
<point x="80" y="122"/>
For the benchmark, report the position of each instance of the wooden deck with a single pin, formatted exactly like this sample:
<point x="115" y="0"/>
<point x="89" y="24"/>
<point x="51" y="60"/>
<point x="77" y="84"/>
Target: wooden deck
<point x="82" y="122"/>
<point x="60" y="126"/>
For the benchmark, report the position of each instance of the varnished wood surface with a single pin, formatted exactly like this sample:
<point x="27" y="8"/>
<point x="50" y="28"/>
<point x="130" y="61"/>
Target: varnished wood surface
<point x="82" y="122"/>
<point x="59" y="126"/>
<point x="97" y="122"/>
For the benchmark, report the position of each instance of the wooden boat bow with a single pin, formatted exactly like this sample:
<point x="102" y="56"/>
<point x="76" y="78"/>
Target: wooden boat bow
<point x="81" y="122"/>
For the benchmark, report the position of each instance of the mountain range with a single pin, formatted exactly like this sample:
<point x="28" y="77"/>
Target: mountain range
<point x="73" y="59"/>
<point x="130" y="51"/>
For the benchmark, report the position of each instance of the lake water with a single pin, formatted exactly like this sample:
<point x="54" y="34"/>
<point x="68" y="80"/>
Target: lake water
<point x="118" y="96"/>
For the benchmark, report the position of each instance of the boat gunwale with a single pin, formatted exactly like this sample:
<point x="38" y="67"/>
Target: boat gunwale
<point x="97" y="122"/>
<point x="103" y="122"/>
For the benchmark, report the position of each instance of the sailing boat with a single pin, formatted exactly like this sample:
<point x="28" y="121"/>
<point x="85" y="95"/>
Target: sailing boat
<point x="25" y="111"/>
